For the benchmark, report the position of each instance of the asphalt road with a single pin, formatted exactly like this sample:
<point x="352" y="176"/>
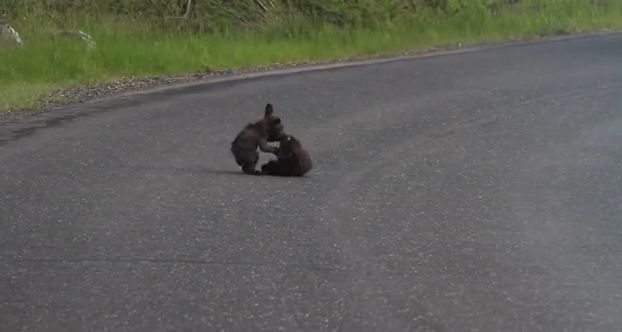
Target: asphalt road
<point x="471" y="192"/>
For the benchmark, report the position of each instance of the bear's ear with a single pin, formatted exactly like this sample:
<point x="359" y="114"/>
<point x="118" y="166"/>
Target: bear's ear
<point x="269" y="111"/>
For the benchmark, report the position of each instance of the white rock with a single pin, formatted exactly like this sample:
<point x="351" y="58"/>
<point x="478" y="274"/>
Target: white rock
<point x="7" y="32"/>
<point x="86" y="38"/>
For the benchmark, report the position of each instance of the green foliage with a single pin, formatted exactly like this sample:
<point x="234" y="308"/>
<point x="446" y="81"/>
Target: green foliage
<point x="249" y="12"/>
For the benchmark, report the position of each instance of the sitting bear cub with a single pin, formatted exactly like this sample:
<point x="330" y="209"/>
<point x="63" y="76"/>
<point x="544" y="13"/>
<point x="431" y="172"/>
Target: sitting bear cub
<point x="254" y="135"/>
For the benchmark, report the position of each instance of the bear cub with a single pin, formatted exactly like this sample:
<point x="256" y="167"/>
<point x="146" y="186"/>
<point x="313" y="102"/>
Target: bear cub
<point x="293" y="159"/>
<point x="258" y="134"/>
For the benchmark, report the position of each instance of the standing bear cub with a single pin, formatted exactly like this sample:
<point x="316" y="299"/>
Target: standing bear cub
<point x="258" y="134"/>
<point x="292" y="160"/>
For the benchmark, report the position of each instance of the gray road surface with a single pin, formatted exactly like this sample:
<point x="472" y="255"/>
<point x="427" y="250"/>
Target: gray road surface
<point x="471" y="192"/>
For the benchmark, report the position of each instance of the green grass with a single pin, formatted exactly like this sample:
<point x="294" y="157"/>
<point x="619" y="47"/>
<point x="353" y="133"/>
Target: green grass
<point x="130" y="47"/>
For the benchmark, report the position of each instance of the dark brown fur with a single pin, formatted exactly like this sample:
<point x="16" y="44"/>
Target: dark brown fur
<point x="293" y="159"/>
<point x="254" y="135"/>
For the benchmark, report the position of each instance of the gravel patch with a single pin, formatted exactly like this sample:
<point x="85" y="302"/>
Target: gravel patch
<point x="82" y="93"/>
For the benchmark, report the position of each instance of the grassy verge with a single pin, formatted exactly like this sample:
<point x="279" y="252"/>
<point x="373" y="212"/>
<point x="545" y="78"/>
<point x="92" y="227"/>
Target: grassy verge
<point x="131" y="47"/>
